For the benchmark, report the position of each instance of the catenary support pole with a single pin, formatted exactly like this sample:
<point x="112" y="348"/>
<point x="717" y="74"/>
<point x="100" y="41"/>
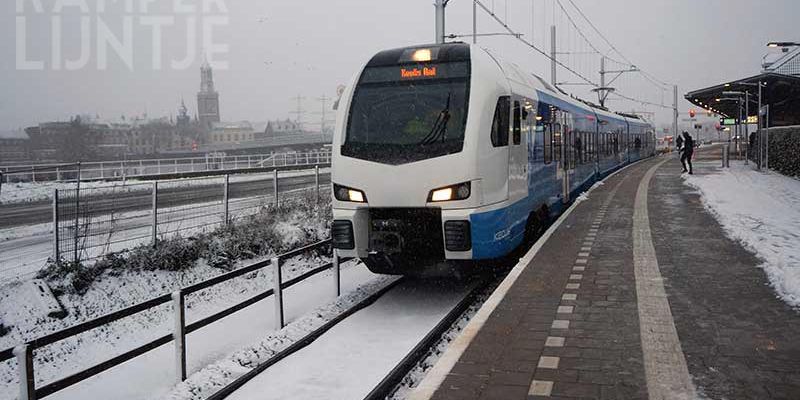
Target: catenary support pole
<point x="675" y="111"/>
<point x="602" y="80"/>
<point x="474" y="22"/>
<point x="553" y="55"/>
<point x="277" y="292"/>
<point x="440" y="20"/>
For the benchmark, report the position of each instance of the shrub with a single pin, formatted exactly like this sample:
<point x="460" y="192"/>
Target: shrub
<point x="257" y="235"/>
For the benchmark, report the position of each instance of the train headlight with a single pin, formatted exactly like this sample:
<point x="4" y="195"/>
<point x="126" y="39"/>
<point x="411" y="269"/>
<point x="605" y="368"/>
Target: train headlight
<point x="343" y="193"/>
<point x="461" y="191"/>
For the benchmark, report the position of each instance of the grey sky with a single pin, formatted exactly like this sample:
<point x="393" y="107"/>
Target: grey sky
<point x="279" y="49"/>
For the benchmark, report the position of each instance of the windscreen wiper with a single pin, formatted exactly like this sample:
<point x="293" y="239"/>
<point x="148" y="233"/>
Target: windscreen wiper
<point x="439" y="129"/>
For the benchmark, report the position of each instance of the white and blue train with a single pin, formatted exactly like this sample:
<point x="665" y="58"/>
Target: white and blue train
<point x="445" y="153"/>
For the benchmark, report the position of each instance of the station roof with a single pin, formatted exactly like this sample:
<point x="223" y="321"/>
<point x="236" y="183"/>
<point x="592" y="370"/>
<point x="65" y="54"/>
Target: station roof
<point x="781" y="92"/>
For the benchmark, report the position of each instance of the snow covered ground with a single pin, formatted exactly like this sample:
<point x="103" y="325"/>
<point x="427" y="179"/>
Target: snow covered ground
<point x="24" y="250"/>
<point x="152" y="374"/>
<point x="353" y="357"/>
<point x="762" y="210"/>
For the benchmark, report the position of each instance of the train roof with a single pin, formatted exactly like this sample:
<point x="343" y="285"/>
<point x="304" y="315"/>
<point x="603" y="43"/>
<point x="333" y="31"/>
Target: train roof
<point x="520" y="77"/>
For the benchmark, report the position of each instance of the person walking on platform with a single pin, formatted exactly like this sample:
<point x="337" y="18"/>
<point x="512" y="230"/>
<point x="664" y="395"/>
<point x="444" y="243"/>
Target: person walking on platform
<point x="688" y="151"/>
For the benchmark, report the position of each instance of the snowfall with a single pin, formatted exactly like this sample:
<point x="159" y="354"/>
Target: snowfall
<point x="762" y="211"/>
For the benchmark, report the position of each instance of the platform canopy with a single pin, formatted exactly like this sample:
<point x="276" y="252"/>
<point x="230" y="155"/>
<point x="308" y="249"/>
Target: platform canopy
<point x="781" y="92"/>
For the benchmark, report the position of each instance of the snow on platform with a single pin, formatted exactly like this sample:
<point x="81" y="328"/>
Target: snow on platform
<point x="761" y="210"/>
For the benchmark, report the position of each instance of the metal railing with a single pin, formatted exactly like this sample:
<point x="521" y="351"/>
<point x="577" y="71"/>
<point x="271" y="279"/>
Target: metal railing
<point x="130" y="169"/>
<point x="89" y="223"/>
<point x="24" y="353"/>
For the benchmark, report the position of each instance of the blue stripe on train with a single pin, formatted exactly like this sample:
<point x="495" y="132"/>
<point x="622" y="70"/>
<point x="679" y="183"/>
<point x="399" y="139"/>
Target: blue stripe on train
<point x="496" y="233"/>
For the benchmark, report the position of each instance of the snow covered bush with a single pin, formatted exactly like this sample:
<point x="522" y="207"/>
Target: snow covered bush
<point x="272" y="230"/>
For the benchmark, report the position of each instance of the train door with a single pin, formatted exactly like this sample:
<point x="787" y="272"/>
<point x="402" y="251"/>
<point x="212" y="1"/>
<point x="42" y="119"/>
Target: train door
<point x="563" y="135"/>
<point x="518" y="151"/>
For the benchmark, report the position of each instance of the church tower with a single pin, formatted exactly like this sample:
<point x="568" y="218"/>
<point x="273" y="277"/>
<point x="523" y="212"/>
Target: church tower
<point x="207" y="98"/>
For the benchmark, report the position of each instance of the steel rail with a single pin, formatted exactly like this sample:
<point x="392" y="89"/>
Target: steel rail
<point x="300" y="344"/>
<point x="388" y="384"/>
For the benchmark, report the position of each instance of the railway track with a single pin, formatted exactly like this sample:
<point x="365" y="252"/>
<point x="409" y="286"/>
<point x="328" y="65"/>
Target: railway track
<point x="21" y="214"/>
<point x="385" y="376"/>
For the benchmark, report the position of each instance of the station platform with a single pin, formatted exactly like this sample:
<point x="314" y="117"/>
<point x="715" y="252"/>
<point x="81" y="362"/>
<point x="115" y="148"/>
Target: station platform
<point x="635" y="293"/>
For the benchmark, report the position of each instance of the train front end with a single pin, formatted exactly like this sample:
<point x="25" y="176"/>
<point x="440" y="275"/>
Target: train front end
<point x="405" y="172"/>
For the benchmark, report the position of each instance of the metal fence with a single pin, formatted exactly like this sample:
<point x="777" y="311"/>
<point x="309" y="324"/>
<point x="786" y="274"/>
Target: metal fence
<point x="167" y="166"/>
<point x="24" y="353"/>
<point x="91" y="222"/>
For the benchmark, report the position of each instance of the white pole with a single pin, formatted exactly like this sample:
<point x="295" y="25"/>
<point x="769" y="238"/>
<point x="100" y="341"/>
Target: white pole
<point x="474" y="22"/>
<point x="179" y="335"/>
<point x="602" y="81"/>
<point x="27" y="385"/>
<point x="760" y="136"/>
<point x="553" y="54"/>
<point x="766" y="144"/>
<point x="675" y="111"/>
<point x="747" y="125"/>
<point x="440" y="4"/>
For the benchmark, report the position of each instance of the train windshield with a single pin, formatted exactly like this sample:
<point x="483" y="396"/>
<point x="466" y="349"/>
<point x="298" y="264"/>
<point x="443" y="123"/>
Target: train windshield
<point x="402" y="114"/>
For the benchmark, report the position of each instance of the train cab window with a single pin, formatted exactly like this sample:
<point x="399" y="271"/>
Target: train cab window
<point x="517" y="123"/>
<point x="500" y="125"/>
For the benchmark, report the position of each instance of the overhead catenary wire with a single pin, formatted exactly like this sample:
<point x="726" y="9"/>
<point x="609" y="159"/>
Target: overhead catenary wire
<point x="580" y="42"/>
<point x="531" y="45"/>
<point x="653" y="79"/>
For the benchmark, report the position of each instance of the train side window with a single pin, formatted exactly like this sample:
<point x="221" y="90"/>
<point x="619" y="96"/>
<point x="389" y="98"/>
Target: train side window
<point x="500" y="124"/>
<point x="517" y="123"/>
<point x="602" y="149"/>
<point x="557" y="132"/>
<point x="547" y="143"/>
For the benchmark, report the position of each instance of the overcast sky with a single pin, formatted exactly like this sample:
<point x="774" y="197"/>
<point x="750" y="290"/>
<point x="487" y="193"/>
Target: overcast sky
<point x="280" y="49"/>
